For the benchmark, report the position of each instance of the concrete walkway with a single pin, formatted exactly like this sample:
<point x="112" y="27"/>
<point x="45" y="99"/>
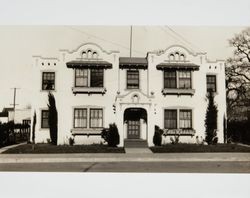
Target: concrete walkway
<point x="11" y="146"/>
<point x="137" y="150"/>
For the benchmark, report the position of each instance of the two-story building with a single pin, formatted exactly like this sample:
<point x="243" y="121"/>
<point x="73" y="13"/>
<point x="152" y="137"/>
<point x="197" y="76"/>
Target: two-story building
<point x="94" y="87"/>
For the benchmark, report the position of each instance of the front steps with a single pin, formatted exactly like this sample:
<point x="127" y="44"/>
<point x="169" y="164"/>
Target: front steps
<point x="135" y="143"/>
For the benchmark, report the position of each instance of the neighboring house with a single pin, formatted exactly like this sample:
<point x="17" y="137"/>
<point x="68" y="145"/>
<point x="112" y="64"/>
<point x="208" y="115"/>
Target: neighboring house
<point x="20" y="116"/>
<point x="94" y="88"/>
<point x="4" y="115"/>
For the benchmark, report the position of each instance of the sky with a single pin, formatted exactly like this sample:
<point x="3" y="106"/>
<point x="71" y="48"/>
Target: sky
<point x="20" y="43"/>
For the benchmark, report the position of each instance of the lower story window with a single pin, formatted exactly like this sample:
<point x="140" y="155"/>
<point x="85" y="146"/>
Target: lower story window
<point x="96" y="118"/>
<point x="178" y="119"/>
<point x="88" y="118"/>
<point x="170" y="119"/>
<point x="185" y="119"/>
<point x="45" y="119"/>
<point x="80" y="118"/>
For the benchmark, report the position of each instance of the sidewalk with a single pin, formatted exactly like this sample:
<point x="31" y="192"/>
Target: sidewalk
<point x="118" y="157"/>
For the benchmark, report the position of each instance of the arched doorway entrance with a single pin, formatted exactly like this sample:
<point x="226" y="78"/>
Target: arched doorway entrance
<point x="136" y="122"/>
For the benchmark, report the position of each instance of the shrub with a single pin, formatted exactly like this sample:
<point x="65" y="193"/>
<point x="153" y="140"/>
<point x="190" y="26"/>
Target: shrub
<point x="157" y="139"/>
<point x="71" y="141"/>
<point x="175" y="140"/>
<point x="111" y="135"/>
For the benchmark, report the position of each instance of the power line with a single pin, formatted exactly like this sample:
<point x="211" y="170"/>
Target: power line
<point x="180" y="36"/>
<point x="174" y="37"/>
<point x="102" y="39"/>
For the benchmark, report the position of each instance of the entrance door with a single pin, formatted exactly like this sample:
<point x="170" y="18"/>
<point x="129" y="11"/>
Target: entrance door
<point x="133" y="129"/>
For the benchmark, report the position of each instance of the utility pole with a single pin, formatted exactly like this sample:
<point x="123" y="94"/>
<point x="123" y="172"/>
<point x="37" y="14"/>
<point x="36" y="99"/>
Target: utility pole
<point x="131" y="39"/>
<point x="14" y="102"/>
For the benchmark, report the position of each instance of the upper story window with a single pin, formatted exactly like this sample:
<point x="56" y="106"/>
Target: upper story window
<point x="132" y="79"/>
<point x="177" y="79"/>
<point x="81" y="77"/>
<point x="45" y="119"/>
<point x="170" y="79"/>
<point x="48" y="81"/>
<point x="96" y="78"/>
<point x="211" y="83"/>
<point x="89" y="77"/>
<point x="185" y="79"/>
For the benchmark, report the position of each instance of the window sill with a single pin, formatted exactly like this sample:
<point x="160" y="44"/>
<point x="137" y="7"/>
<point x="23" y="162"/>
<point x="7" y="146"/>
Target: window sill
<point x="181" y="132"/>
<point x="178" y="91"/>
<point x="89" y="90"/>
<point x="86" y="131"/>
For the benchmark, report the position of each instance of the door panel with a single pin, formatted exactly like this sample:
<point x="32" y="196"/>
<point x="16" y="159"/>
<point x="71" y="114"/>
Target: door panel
<point x="133" y="129"/>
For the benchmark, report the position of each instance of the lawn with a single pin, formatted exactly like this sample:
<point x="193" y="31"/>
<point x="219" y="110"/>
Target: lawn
<point x="48" y="148"/>
<point x="196" y="148"/>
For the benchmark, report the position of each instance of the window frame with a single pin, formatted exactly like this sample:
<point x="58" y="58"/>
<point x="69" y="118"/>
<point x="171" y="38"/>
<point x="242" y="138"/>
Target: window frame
<point x="74" y="118"/>
<point x="190" y="120"/>
<point x="89" y="78"/>
<point x="43" y="80"/>
<point x="214" y="83"/>
<point x="177" y="79"/>
<point x="169" y="78"/>
<point x="176" y="118"/>
<point x="76" y="77"/>
<point x="185" y="79"/>
<point x="97" y="73"/>
<point x="97" y="118"/>
<point x="127" y="79"/>
<point x="43" y="118"/>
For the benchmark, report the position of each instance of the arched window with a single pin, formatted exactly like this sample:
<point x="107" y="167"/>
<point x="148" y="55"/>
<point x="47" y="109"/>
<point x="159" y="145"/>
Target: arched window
<point x="171" y="57"/>
<point x="94" y="55"/>
<point x="89" y="54"/>
<point x="177" y="56"/>
<point x="84" y="54"/>
<point x="182" y="57"/>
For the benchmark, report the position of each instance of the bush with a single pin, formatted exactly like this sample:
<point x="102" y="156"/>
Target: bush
<point x="157" y="139"/>
<point x="111" y="135"/>
<point x="71" y="141"/>
<point x="175" y="140"/>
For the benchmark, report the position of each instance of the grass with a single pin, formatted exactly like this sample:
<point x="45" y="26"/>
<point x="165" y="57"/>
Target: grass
<point x="195" y="148"/>
<point x="48" y="148"/>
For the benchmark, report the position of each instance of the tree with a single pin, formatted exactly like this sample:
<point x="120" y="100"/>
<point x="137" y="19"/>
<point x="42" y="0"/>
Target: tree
<point x="52" y="118"/>
<point x="238" y="71"/>
<point x="211" y="119"/>
<point x="33" y="128"/>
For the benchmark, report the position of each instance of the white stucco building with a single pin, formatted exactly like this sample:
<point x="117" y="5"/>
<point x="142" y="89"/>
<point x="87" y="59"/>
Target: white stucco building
<point x="94" y="87"/>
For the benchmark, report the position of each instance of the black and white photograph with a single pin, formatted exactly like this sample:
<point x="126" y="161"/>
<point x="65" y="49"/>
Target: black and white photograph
<point x="142" y="101"/>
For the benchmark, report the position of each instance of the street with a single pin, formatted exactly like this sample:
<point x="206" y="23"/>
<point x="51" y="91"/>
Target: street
<point x="168" y="167"/>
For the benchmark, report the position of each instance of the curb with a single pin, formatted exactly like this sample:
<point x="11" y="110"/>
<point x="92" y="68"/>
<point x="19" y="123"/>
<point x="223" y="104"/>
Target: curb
<point x="37" y="159"/>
